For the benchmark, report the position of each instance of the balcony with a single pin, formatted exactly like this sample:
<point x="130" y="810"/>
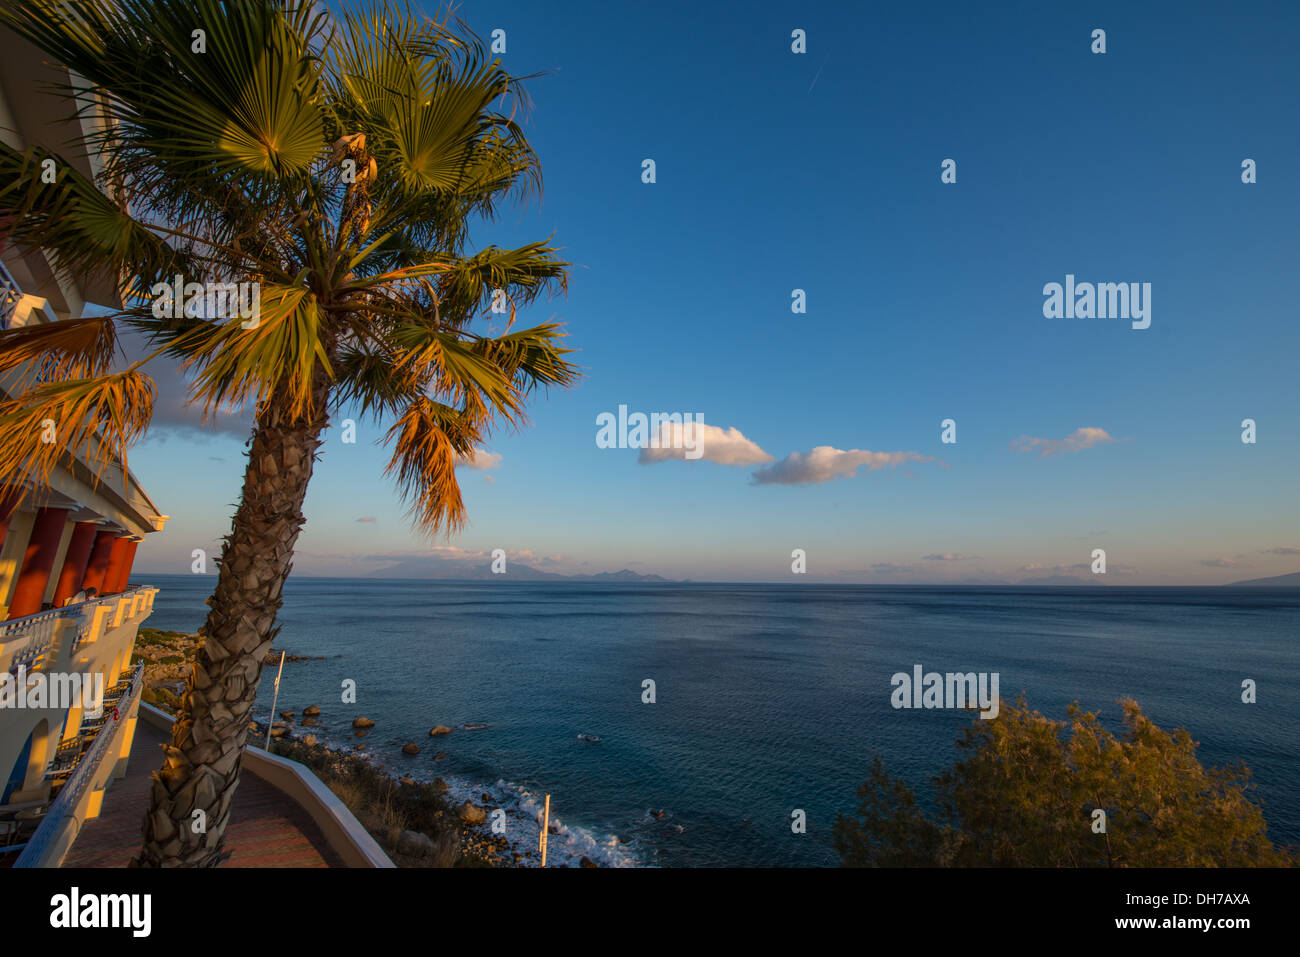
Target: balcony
<point x="101" y="614"/>
<point x="27" y="641"/>
<point x="60" y="757"/>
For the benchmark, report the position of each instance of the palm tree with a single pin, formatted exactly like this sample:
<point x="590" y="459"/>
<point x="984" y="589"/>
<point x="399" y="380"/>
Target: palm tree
<point x="337" y="161"/>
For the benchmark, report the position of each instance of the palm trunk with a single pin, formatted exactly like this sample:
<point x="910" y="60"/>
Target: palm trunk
<point x="201" y="767"/>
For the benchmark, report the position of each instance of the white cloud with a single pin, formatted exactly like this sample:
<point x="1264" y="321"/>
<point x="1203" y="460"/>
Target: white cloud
<point x="1076" y="441"/>
<point x="1219" y="562"/>
<point x="948" y="557"/>
<point x="700" y="441"/>
<point x="1284" y="550"/>
<point x="825" y="463"/>
<point x="455" y="554"/>
<point x="479" y="459"/>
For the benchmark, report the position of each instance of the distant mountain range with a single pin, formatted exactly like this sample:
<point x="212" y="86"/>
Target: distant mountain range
<point x="1054" y="581"/>
<point x="420" y="567"/>
<point x="1285" y="581"/>
<point x="453" y="570"/>
<point x="1062" y="580"/>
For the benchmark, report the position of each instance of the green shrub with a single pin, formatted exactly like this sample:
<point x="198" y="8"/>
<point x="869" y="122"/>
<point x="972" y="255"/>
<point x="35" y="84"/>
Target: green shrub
<point x="1028" y="789"/>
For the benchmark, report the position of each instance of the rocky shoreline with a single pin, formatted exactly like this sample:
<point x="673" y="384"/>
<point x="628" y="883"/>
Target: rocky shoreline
<point x="412" y="820"/>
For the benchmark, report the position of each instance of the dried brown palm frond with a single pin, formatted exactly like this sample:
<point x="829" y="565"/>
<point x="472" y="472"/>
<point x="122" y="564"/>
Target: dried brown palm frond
<point x="426" y="441"/>
<point x="71" y="349"/>
<point x="95" y="420"/>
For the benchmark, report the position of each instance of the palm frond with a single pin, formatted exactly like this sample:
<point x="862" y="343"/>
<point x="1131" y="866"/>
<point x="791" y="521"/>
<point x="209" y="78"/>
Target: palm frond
<point x="370" y="380"/>
<point x="71" y="349"/>
<point x="530" y="357"/>
<point x="424" y="92"/>
<point x="522" y="274"/>
<point x="270" y="358"/>
<point x="74" y="221"/>
<point x="95" y="419"/>
<point x="246" y="105"/>
<point x="456" y="371"/>
<point x="426" y="440"/>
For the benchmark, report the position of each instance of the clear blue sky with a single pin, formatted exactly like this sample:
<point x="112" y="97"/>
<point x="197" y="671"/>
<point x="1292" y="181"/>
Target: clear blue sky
<point x="821" y="171"/>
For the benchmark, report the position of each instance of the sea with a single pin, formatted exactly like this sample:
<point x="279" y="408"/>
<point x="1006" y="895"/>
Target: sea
<point x="768" y="699"/>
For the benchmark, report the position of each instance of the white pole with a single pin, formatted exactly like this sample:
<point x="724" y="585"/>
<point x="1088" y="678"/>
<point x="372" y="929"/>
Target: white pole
<point x="546" y="826"/>
<point x="274" y="699"/>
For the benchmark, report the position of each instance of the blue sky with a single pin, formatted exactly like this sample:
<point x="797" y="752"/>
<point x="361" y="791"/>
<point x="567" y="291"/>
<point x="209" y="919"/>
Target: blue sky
<point x="821" y="171"/>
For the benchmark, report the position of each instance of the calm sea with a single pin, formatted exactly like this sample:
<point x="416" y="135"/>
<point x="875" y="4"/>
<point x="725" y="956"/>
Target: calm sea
<point x="769" y="698"/>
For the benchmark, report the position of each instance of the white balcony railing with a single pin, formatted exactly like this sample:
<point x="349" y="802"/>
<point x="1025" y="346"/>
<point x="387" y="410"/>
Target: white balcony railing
<point x="101" y="614"/>
<point x="25" y="641"/>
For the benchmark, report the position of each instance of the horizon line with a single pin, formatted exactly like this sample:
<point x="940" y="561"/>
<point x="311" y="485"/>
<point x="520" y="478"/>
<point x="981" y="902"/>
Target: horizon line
<point x="579" y="580"/>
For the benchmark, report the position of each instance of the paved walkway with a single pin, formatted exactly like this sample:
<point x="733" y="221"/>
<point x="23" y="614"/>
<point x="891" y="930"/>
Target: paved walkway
<point x="267" y="829"/>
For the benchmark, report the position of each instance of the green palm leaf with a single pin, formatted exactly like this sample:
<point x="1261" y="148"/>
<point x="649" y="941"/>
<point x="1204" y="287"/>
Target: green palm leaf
<point x="270" y="358"/>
